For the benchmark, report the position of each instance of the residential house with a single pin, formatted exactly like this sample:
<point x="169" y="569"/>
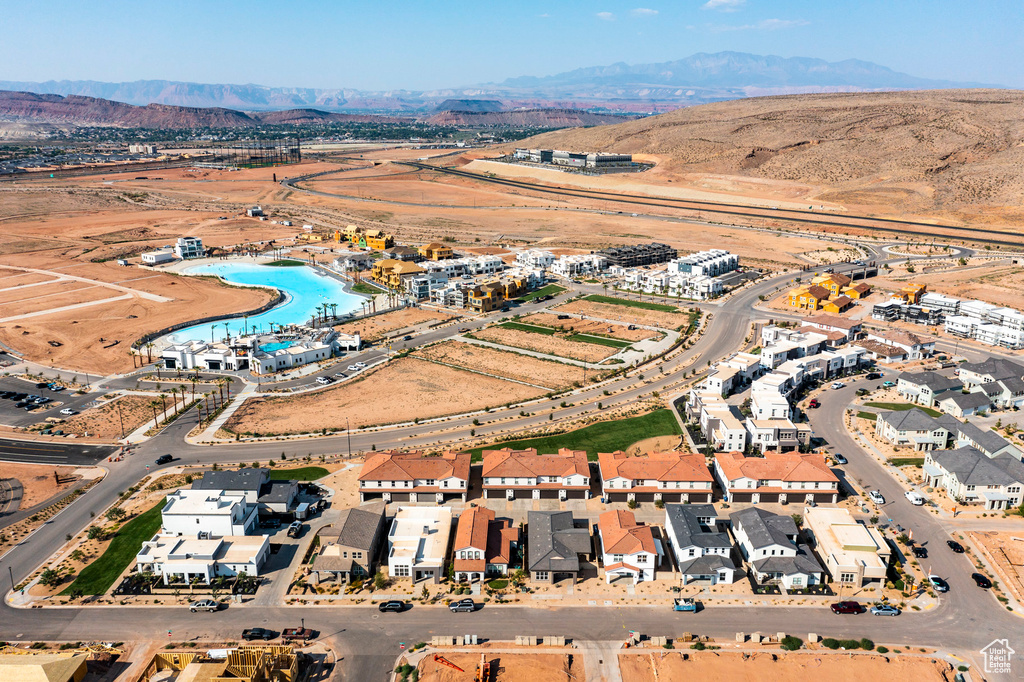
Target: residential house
<point x="850" y="329"/>
<point x="1007" y="394"/>
<point x="187" y="248"/>
<point x="393" y="274"/>
<point x="180" y="559"/>
<point x="270" y="497"/>
<point x="880" y="352"/>
<point x="769" y="543"/>
<point x="854" y="553"/>
<point x="484" y="546"/>
<point x="837" y="305"/>
<point x="857" y="291"/>
<point x="914" y="347"/>
<point x="667" y="476"/>
<point x="808" y="297"/>
<point x="912" y="293"/>
<point x="415" y="477"/>
<point x="436" y="251"/>
<point x="986" y="441"/>
<point x="702" y="551"/>
<point x="962" y="405"/>
<point x="525" y="474"/>
<point x="405" y="254"/>
<point x="778" y="435"/>
<point x="969" y="476"/>
<point x="418" y="542"/>
<point x="720" y="422"/>
<point x="926" y="388"/>
<point x="833" y="282"/>
<point x="628" y="548"/>
<point x="915" y="427"/>
<point x="776" y="477"/>
<point x="349" y="548"/>
<point x="212" y="513"/>
<point x="555" y="546"/>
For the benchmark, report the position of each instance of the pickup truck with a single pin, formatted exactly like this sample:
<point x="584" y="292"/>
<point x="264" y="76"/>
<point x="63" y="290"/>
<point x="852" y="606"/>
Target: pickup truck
<point x="294" y="634"/>
<point x="250" y="634"/>
<point x="685" y="604"/>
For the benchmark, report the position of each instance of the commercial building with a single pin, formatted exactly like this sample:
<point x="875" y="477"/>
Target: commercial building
<point x="414" y="477"/>
<point x="418" y="542"/>
<point x="187" y="248"/>
<point x="158" y="256"/>
<point x="638" y="255"/>
<point x="556" y="157"/>
<point x="484" y="547"/>
<point x="555" y="546"/>
<point x="349" y="548"/>
<point x="290" y="347"/>
<point x="703" y="552"/>
<point x="776" y="477"/>
<point x="628" y="548"/>
<point x="854" y="554"/>
<point x="666" y="476"/>
<point x="525" y="474"/>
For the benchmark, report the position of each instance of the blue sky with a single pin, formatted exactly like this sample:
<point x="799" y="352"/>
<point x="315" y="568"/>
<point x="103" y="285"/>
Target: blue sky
<point x="423" y="44"/>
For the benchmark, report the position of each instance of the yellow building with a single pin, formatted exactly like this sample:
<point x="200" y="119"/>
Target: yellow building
<point x="393" y="273"/>
<point x="436" y="251"/>
<point x="486" y="297"/>
<point x="837" y="304"/>
<point x="808" y="298"/>
<point x="912" y="293"/>
<point x="377" y="240"/>
<point x="857" y="291"/>
<point x="833" y="282"/>
<point x="310" y="237"/>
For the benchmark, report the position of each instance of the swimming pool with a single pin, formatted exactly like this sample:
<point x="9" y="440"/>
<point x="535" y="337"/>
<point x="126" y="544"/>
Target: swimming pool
<point x="304" y="288"/>
<point x="271" y="347"/>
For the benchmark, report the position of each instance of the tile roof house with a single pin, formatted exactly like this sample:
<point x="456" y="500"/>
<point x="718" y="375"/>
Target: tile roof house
<point x="881" y="352"/>
<point x="926" y="388"/>
<point x="350" y="546"/>
<point x="968" y="476"/>
<point x="913" y="345"/>
<point x="809" y="297"/>
<point x="484" y="546"/>
<point x="668" y="476"/>
<point x="769" y="542"/>
<point x="915" y="427"/>
<point x="776" y="477"/>
<point x="629" y="548"/>
<point x="525" y="474"/>
<point x="555" y="545"/>
<point x="414" y="477"/>
<point x="702" y="551"/>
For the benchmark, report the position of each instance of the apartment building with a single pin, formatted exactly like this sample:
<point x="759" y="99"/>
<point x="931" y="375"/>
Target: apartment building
<point x="667" y="476"/>
<point x="415" y="477"/>
<point x="776" y="477"/>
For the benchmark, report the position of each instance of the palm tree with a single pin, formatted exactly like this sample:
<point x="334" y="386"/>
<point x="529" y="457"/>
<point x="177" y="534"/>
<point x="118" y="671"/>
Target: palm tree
<point x="131" y="352"/>
<point x="153" y="404"/>
<point x="163" y="403"/>
<point x="334" y="310"/>
<point x="149" y="351"/>
<point x="227" y="332"/>
<point x="194" y="381"/>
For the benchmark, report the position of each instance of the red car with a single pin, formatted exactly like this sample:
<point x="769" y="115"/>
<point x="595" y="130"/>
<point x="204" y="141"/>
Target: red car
<point x="846" y="607"/>
<point x="814" y="403"/>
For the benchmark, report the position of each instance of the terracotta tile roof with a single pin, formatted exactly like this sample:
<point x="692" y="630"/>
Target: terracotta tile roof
<point x="831" y="321"/>
<point x="499" y="541"/>
<point x="783" y="466"/>
<point x="472" y="528"/>
<point x="861" y="288"/>
<point x="528" y="464"/>
<point x="621" y="534"/>
<point x="831" y="335"/>
<point x="408" y="466"/>
<point x="901" y="337"/>
<point x="478" y="529"/>
<point x="818" y="292"/>
<point x="879" y="348"/>
<point x="662" y="466"/>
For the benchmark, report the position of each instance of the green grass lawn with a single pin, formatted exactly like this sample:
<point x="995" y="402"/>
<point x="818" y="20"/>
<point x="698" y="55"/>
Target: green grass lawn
<point x="361" y="288"/>
<point x="600" y="340"/>
<point x="902" y="407"/>
<point x="907" y="461"/>
<point x="99" y="576"/>
<point x="286" y="263"/>
<point x="867" y="415"/>
<point x="597" y="298"/>
<point x="549" y="290"/>
<point x="301" y="474"/>
<point x="547" y="331"/>
<point x="600" y="437"/>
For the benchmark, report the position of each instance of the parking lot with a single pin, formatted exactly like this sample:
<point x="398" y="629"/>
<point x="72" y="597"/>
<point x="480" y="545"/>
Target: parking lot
<point x="11" y="415"/>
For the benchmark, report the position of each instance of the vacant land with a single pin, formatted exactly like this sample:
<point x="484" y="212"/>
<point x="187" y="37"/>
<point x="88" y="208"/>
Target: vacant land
<point x="626" y="314"/>
<point x="548" y="344"/>
<point x="595" y="327"/>
<point x="39" y="482"/>
<point x="379" y="326"/>
<point x="514" y="667"/>
<point x="510" y="365"/>
<point x="402" y="390"/>
<point x="780" y="667"/>
<point x="1006" y="551"/>
<point x="104" y="422"/>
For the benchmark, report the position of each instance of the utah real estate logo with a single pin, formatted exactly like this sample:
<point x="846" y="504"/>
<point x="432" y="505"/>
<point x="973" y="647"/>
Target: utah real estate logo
<point x="997" y="656"/>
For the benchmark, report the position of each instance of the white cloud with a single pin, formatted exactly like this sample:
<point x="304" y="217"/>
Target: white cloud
<point x="643" y="12"/>
<point x="544" y="16"/>
<point x="606" y="16"/>
<point x="763" y="25"/>
<point x="724" y="5"/>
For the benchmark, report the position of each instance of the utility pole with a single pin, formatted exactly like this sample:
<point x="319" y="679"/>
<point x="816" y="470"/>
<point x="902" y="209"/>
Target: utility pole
<point x="120" y="417"/>
<point x="348" y="432"/>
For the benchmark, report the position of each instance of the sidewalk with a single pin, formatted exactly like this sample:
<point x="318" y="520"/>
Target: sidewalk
<point x="209" y="433"/>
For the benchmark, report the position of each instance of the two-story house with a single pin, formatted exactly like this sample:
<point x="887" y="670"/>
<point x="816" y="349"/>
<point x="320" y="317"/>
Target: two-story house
<point x="668" y="476"/>
<point x="525" y="474"/>
<point x="776" y="477"/>
<point x="484" y="546"/>
<point x="926" y="388"/>
<point x="415" y="477"/>
<point x="555" y="545"/>
<point x="968" y="476"/>
<point x="211" y="513"/>
<point x="917" y="428"/>
<point x="702" y="551"/>
<point x="349" y="548"/>
<point x="628" y="548"/>
<point x="768" y="543"/>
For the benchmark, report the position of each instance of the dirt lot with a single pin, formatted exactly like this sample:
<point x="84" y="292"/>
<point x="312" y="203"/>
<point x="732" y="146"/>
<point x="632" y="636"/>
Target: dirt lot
<point x="1006" y="550"/>
<point x="553" y="375"/>
<point x="398" y="392"/>
<point x="542" y="343"/>
<point x="514" y="667"/>
<point x="995" y="281"/>
<point x="39" y="482"/>
<point x="821" y="665"/>
<point x="373" y="328"/>
<point x="626" y="314"/>
<point x="590" y="327"/>
<point x="104" y="422"/>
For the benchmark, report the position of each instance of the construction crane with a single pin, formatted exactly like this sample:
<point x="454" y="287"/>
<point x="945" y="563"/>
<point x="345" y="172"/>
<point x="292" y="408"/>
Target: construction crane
<point x="438" y="658"/>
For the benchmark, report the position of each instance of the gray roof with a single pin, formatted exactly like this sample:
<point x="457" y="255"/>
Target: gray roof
<point x="359" y="526"/>
<point x="763" y="528"/>
<point x="704" y="565"/>
<point x="933" y="380"/>
<point x="996" y="368"/>
<point x="1014" y="385"/>
<point x="967" y="401"/>
<point x="972" y="467"/>
<point x="986" y="440"/>
<point x="278" y="491"/>
<point x="914" y="420"/>
<point x="804" y="562"/>
<point x="243" y="479"/>
<point x="991" y="388"/>
<point x="686" y="529"/>
<point x="554" y="542"/>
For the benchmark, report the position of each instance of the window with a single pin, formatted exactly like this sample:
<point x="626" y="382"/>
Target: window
<point x="540" y="575"/>
<point x="692" y="551"/>
<point x="430" y="481"/>
<point x="401" y="571"/>
<point x="616" y="558"/>
<point x="344" y="555"/>
<point x="847" y="577"/>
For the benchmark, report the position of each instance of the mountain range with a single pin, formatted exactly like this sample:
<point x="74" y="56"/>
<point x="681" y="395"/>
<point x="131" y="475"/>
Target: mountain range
<point x="662" y="86"/>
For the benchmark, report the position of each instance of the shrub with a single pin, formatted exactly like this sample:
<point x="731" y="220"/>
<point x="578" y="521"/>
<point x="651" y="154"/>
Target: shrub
<point x="849" y="644"/>
<point x="49" y="578"/>
<point x="116" y="514"/>
<point x="866" y="644"/>
<point x="962" y="668"/>
<point x="791" y="643"/>
<point x="698" y="646"/>
<point x="830" y="643"/>
<point x="632" y="504"/>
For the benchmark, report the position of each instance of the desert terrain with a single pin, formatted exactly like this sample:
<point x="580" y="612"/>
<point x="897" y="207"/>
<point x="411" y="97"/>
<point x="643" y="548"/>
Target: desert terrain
<point x="39" y="482"/>
<point x="517" y="667"/>
<point x="510" y="365"/>
<point x="104" y="422"/>
<point x="549" y="345"/>
<point x="625" y="314"/>
<point x="379" y="326"/>
<point x="580" y="326"/>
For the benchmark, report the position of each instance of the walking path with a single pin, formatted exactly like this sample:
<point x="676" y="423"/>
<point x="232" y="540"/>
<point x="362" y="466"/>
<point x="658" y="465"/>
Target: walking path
<point x="210" y="433"/>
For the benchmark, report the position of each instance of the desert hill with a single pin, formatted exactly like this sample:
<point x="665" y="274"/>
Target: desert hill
<point x="525" y="118"/>
<point x="949" y="152"/>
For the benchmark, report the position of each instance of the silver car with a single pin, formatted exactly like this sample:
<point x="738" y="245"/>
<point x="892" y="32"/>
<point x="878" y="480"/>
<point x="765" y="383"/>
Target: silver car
<point x="884" y="610"/>
<point x="203" y="605"/>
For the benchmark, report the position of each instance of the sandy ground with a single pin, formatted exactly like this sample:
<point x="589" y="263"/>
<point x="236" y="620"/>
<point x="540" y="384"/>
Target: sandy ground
<point x="553" y="375"/>
<point x="104" y="421"/>
<point x="514" y="667"/>
<point x="402" y="390"/>
<point x="39" y="482"/>
<point x="788" y="667"/>
<point x="1006" y="549"/>
<point x="656" y="444"/>
<point x="589" y="327"/>
<point x="997" y="282"/>
<point x="373" y="328"/>
<point x="542" y="343"/>
<point x="626" y="314"/>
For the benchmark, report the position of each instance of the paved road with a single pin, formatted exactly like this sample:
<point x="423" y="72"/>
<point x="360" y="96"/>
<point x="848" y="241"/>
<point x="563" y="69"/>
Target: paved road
<point x="45" y="452"/>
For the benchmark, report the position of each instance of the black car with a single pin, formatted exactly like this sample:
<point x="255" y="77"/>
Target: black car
<point x="920" y="552"/>
<point x="981" y="581"/>
<point x="164" y="459"/>
<point x="873" y="375"/>
<point x="393" y="606"/>
<point x="955" y="546"/>
<point x="250" y="634"/>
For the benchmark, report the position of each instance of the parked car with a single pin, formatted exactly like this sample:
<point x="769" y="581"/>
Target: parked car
<point x="164" y="459"/>
<point x="955" y="546"/>
<point x="323" y="381"/>
<point x="204" y="605"/>
<point x="846" y="607"/>
<point x="295" y="529"/>
<point x="393" y="606"/>
<point x="916" y="498"/>
<point x="814" y="404"/>
<point x="839" y="459"/>
<point x="938" y="583"/>
<point x="42" y="384"/>
<point x="876" y="497"/>
<point x="353" y="368"/>
<point x="250" y="634"/>
<point x="981" y="581"/>
<point x="67" y="412"/>
<point x="837" y="385"/>
<point x="871" y="376"/>
<point x="887" y="384"/>
<point x="920" y="552"/>
<point x="360" y="364"/>
<point x="462" y="606"/>
<point x="884" y="610"/>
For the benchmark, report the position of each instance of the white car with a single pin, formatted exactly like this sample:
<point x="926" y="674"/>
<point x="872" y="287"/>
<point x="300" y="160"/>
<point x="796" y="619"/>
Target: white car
<point x="323" y="381"/>
<point x="876" y="497"/>
<point x="915" y="497"/>
<point x="360" y="364"/>
<point x="67" y="412"/>
<point x="353" y="368"/>
<point x="838" y="384"/>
